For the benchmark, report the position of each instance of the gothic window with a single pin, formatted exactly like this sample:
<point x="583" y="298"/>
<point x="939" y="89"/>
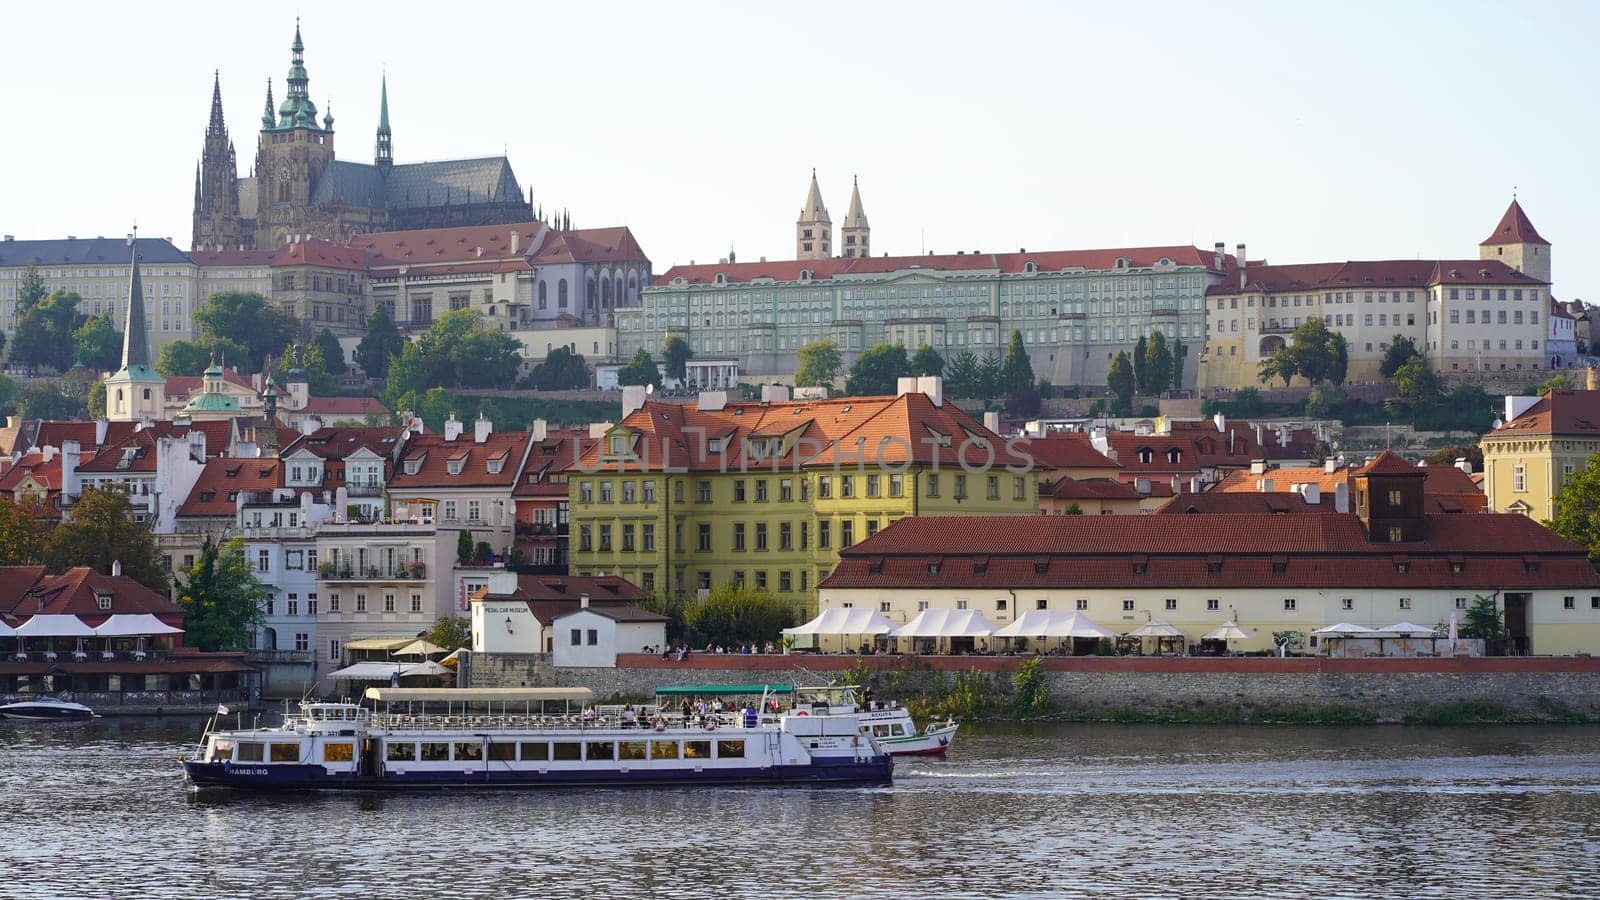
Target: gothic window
<point x="617" y="294"/>
<point x="543" y="300"/>
<point x="561" y="294"/>
<point x="633" y="286"/>
<point x="588" y="295"/>
<point x="605" y="292"/>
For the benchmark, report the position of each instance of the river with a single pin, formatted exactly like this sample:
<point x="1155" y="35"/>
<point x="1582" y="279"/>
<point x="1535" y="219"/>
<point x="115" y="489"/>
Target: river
<point x="101" y="810"/>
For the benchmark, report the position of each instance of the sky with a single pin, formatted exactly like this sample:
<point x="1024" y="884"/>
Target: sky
<point x="1308" y="132"/>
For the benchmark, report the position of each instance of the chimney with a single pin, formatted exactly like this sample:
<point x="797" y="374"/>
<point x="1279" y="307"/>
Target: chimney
<point x="906" y="385"/>
<point x="1268" y="486"/>
<point x="516" y="241"/>
<point x="1258" y="467"/>
<point x="633" y="397"/>
<point x="1142" y="485"/>
<point x="482" y="427"/>
<point x="777" y="393"/>
<point x="540" y="430"/>
<point x="1312" y="492"/>
<point x="310" y="425"/>
<point x="1330" y="466"/>
<point x="1177" y="485"/>
<point x="991" y="420"/>
<point x="1341" y="497"/>
<point x="101" y="426"/>
<point x="1219" y="255"/>
<point x="1194" y="485"/>
<point x="1239" y="252"/>
<point x="69" y="468"/>
<point x="1261" y="435"/>
<point x="197" y="445"/>
<point x="1465" y="464"/>
<point x="714" y="401"/>
<point x="452" y="428"/>
<point x="1516" y="406"/>
<point x="1221" y="422"/>
<point x="116" y="568"/>
<point x="48" y="452"/>
<point x="583" y="601"/>
<point x="341" y="502"/>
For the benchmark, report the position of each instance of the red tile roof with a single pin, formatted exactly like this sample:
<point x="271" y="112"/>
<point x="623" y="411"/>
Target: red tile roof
<point x="1388" y="463"/>
<point x="1514" y="228"/>
<point x="51" y="434"/>
<point x="549" y="596"/>
<point x="204" y="258"/>
<point x="589" y="245"/>
<point x="75" y="592"/>
<point x="1569" y="413"/>
<point x="214" y="492"/>
<point x="433" y="454"/>
<point x="137" y="453"/>
<point x="1068" y="488"/>
<point x="1373" y="275"/>
<point x="543" y="472"/>
<point x="345" y="406"/>
<point x="178" y="387"/>
<point x="1066" y="450"/>
<point x="1447" y="488"/>
<point x="338" y="442"/>
<point x="472" y="245"/>
<point x="318" y="252"/>
<point x="1219" y="502"/>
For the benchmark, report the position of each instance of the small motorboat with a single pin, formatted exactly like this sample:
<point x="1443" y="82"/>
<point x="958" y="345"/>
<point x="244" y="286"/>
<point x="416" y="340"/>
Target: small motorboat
<point x="46" y="709"/>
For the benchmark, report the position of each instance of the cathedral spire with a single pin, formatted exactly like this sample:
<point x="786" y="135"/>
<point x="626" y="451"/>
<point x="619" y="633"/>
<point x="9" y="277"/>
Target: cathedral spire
<point x="216" y="126"/>
<point x="267" y="117"/>
<point x="855" y="233"/>
<point x="135" y="342"/>
<point x="813" y="231"/>
<point x="384" y="156"/>
<point x="298" y="111"/>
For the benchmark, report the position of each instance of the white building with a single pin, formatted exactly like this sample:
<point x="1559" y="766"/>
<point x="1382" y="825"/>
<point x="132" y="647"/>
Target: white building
<point x="592" y="636"/>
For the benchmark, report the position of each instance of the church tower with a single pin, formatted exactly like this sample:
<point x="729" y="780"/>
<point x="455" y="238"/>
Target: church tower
<point x="855" y="235"/>
<point x="216" y="184"/>
<point x="1517" y="243"/>
<point x="135" y="391"/>
<point x="813" y="231"/>
<point x="290" y="158"/>
<point x="383" y="157"/>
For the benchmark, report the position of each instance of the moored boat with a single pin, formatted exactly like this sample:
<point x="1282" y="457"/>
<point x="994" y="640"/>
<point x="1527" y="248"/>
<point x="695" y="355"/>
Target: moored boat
<point x="526" y="737"/>
<point x="46" y="709"/>
<point x="889" y="723"/>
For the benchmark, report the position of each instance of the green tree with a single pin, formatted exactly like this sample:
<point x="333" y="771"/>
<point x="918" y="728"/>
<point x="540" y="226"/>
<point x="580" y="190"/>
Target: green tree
<point x="927" y="361"/>
<point x="32" y="290"/>
<point x="1141" y="377"/>
<point x="192" y="357"/>
<point x="989" y="383"/>
<point x="819" y="364"/>
<point x="1179" y="351"/>
<point x="9" y="395"/>
<point x="641" y="369"/>
<point x="97" y="344"/>
<point x="221" y="599"/>
<point x="1030" y="690"/>
<point x="1016" y="374"/>
<point x="1401" y="351"/>
<point x="99" y="530"/>
<point x="23" y="534"/>
<point x="464" y="547"/>
<point x="308" y="359"/>
<point x="1338" y="358"/>
<point x="1279" y="365"/>
<point x="408" y="374"/>
<point x="962" y="376"/>
<point x="561" y="370"/>
<point x="97" y="400"/>
<point x="432" y="406"/>
<point x="1310" y="350"/>
<point x="1560" y="381"/>
<point x="44" y="336"/>
<point x="675" y="354"/>
<point x="738" y="614"/>
<point x="1482" y="619"/>
<point x="1447" y="456"/>
<point x="1121" y="380"/>
<point x="381" y="343"/>
<point x="451" y="633"/>
<point x="49" y="402"/>
<point x="877" y="371"/>
<point x="1417" y="385"/>
<point x="249" y="321"/>
<point x="1577" y="505"/>
<point x="1158" y="363"/>
<point x="332" y="352"/>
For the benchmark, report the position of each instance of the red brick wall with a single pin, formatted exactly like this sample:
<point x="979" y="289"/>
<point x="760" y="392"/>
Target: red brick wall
<point x="1111" y="664"/>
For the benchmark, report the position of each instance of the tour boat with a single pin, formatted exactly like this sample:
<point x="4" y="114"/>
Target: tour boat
<point x="888" y="722"/>
<point x="46" y="709"/>
<point x="527" y="737"/>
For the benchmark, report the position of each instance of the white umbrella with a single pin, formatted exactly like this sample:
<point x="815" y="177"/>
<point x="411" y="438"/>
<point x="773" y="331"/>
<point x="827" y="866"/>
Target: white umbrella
<point x="937" y="623"/>
<point x="7" y="630"/>
<point x="130" y="624"/>
<point x="1228" y="631"/>
<point x="1407" y="629"/>
<point x="53" y="625"/>
<point x="419" y="647"/>
<point x="1156" y="630"/>
<point x="1454" y="632"/>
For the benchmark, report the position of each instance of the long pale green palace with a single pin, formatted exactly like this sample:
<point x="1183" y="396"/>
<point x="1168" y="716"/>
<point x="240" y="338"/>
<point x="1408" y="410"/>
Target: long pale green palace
<point x="1075" y="309"/>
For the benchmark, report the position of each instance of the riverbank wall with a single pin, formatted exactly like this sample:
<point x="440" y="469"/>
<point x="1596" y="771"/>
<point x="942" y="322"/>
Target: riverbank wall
<point x="1133" y="688"/>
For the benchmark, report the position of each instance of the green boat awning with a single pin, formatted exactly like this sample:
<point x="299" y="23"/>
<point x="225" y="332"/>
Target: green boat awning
<point x="678" y="690"/>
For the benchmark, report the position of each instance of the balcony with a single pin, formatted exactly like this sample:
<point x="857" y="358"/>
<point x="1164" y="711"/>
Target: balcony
<point x="363" y="490"/>
<point x="1276" y="329"/>
<point x="416" y="571"/>
<point x="299" y="657"/>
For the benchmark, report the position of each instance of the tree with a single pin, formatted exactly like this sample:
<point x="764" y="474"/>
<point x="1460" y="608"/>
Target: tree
<point x="464" y="547"/>
<point x="44" y="335"/>
<point x="1311" y="350"/>
<point x="381" y="342"/>
<point x="451" y="633"/>
<point x="308" y="359"/>
<point x="1016" y="374"/>
<point x="9" y="394"/>
<point x="1179" y="351"/>
<point x="1279" y="365"/>
<point x="1418" y="387"/>
<point x="1560" y="381"/>
<point x="332" y="352"/>
<point x="927" y="361"/>
<point x="48" y="402"/>
<point x="1401" y="351"/>
<point x="99" y="530"/>
<point x="1338" y="358"/>
<point x="192" y="357"/>
<point x="641" y="369"/>
<point x="32" y="290"/>
<point x="22" y="534"/>
<point x="1121" y="380"/>
<point x="738" y="614"/>
<point x="97" y="344"/>
<point x="1447" y="456"/>
<point x="97" y="400"/>
<point x="1158" y="363"/>
<point x="819" y="364"/>
<point x="676" y="354"/>
<point x="1577" y="505"/>
<point x="251" y="322"/>
<point x="562" y="370"/>
<point x="221" y="599"/>
<point x="1482" y="619"/>
<point x="878" y="371"/>
<point x="962" y="376"/>
<point x="1141" y="378"/>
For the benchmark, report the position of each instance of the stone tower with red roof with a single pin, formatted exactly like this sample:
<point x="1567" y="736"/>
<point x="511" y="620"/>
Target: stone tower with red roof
<point x="1517" y="243"/>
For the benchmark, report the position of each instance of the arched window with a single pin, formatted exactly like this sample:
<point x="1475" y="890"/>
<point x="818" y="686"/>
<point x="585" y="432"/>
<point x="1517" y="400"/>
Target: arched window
<point x="618" y="292"/>
<point x="633" y="287"/>
<point x="1173" y="455"/>
<point x="543" y="300"/>
<point x="605" y="292"/>
<point x="561" y="293"/>
<point x="588" y="295"/>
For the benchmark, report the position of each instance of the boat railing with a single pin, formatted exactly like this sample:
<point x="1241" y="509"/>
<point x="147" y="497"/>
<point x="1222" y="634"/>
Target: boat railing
<point x="647" y="718"/>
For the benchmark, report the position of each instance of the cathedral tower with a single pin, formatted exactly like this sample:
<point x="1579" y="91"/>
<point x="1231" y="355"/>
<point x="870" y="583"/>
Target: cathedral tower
<point x="1517" y="243"/>
<point x="216" y="184"/>
<point x="290" y="158"/>
<point x="813" y="231"/>
<point x="135" y="391"/>
<point x="383" y="158"/>
<point x="855" y="235"/>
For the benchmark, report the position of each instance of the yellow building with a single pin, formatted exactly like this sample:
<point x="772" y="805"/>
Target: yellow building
<point x="681" y="498"/>
<point x="1528" y="458"/>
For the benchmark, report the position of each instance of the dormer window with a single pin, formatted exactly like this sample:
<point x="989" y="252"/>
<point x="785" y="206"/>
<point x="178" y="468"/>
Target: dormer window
<point x="805" y="274"/>
<point x="1146" y="455"/>
<point x="102" y="600"/>
<point x="496" y="465"/>
<point x="413" y="465"/>
<point x="454" y="466"/>
<point x="1173" y="455"/>
<point x="617" y="444"/>
<point x="1030" y="267"/>
<point x="715" y="445"/>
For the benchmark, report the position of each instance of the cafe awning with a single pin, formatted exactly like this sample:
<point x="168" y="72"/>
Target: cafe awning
<point x="1228" y="631"/>
<point x="1048" y="623"/>
<point x="130" y="624"/>
<point x="844" y="621"/>
<point x="54" y="625"/>
<point x="379" y="643"/>
<point x="945" y="623"/>
<point x="377" y="670"/>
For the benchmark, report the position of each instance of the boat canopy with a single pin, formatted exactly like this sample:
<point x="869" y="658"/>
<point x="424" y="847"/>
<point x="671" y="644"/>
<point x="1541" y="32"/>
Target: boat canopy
<point x="680" y="690"/>
<point x="478" y="695"/>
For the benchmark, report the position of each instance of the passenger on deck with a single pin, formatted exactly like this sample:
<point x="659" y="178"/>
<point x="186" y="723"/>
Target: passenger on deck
<point x="629" y="720"/>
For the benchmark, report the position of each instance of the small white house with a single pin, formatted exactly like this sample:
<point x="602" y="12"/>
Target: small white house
<point x="594" y="635"/>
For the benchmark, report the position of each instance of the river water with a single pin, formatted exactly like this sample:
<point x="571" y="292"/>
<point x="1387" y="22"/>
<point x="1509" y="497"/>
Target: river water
<point x="101" y="810"/>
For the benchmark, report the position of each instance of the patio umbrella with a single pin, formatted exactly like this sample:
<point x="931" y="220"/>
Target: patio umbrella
<point x="1454" y="634"/>
<point x="1406" y="629"/>
<point x="7" y="630"/>
<point x="453" y="659"/>
<point x="1344" y="629"/>
<point x="131" y="624"/>
<point x="419" y="647"/>
<point x="1156" y="630"/>
<point x="1228" y="631"/>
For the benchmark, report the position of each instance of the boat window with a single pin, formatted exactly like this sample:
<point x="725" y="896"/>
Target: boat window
<point x="696" y="749"/>
<point x="536" y="751"/>
<point x="663" y="749"/>
<point x="880" y="731"/>
<point x="503" y="751"/>
<point x="221" y="749"/>
<point x="626" y="750"/>
<point x="865" y="728"/>
<point x="406" y="752"/>
<point x="600" y="750"/>
<point x="469" y="750"/>
<point x="899" y="730"/>
<point x="248" y="752"/>
<point x="730" y="749"/>
<point x="286" y="753"/>
<point x="568" y="750"/>
<point x="316" y="714"/>
<point x="339" y="751"/>
<point x="435" y="752"/>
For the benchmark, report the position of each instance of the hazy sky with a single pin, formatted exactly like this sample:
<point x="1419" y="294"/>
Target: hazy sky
<point x="1338" y="131"/>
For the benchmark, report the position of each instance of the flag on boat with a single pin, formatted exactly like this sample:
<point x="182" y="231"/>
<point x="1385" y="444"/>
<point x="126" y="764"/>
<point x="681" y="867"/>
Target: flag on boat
<point x="221" y="710"/>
